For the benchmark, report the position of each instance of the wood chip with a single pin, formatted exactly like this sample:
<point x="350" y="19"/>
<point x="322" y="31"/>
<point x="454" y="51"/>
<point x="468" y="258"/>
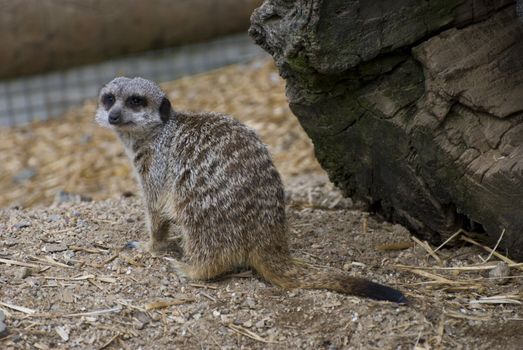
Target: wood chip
<point x="19" y="263"/>
<point x="79" y="278"/>
<point x="208" y="286"/>
<point x="428" y="249"/>
<point x="110" y="341"/>
<point x="160" y="304"/>
<point x="93" y="313"/>
<point x="244" y="331"/>
<point x="62" y="333"/>
<point x="454" y="235"/>
<point x="481" y="267"/>
<point x="67" y="295"/>
<point x="460" y="315"/>
<point x="436" y="278"/>
<point x="23" y="309"/>
<point x="50" y="261"/>
<point x="499" y="299"/>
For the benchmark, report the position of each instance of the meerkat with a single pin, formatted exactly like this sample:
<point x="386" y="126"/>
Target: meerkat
<point x="214" y="178"/>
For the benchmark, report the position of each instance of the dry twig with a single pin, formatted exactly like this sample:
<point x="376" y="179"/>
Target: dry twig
<point x="244" y="331"/>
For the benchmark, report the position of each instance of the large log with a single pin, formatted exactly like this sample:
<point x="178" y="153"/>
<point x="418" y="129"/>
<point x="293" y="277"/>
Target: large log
<point x="416" y="107"/>
<point x="37" y="36"/>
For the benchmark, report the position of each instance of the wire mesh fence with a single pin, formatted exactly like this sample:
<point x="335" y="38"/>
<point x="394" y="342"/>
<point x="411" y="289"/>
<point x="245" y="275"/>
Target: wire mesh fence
<point x="48" y="95"/>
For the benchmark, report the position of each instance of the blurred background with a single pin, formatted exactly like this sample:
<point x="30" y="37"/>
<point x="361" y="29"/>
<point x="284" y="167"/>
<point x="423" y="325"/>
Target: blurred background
<point x="56" y="54"/>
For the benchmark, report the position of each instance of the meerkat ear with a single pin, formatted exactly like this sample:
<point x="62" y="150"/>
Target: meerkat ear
<point x="165" y="109"/>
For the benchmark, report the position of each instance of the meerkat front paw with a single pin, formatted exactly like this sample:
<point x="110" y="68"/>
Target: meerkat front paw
<point x="180" y="269"/>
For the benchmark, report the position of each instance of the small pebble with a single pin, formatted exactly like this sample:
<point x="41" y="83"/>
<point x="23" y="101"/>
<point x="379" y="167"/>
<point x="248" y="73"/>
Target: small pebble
<point x="260" y="324"/>
<point x="247" y="324"/>
<point x="67" y="197"/>
<point x="22" y="273"/>
<point x="54" y="218"/>
<point x="3" y="330"/>
<point x="3" y="327"/>
<point x="67" y="295"/>
<point x="139" y="325"/>
<point x="22" y="224"/>
<point x="54" y="247"/>
<point x="141" y="316"/>
<point x="24" y="175"/>
<point x="501" y="270"/>
<point x="225" y="318"/>
<point x="63" y="332"/>
<point x="10" y="242"/>
<point x="179" y="319"/>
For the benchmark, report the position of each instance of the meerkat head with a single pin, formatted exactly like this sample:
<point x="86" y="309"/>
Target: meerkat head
<point x="132" y="105"/>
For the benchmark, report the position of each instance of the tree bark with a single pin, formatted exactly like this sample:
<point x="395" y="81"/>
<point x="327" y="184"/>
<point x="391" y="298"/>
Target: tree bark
<point x="38" y="36"/>
<point x="415" y="107"/>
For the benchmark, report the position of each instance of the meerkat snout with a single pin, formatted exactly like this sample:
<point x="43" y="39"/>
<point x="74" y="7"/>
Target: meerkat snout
<point x="115" y="117"/>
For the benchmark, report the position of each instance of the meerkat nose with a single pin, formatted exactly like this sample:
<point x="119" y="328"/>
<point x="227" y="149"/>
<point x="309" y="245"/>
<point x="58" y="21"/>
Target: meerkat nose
<point x="115" y="117"/>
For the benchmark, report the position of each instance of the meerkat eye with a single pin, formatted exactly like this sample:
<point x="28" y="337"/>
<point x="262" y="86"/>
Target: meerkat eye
<point x="136" y="101"/>
<point x="108" y="100"/>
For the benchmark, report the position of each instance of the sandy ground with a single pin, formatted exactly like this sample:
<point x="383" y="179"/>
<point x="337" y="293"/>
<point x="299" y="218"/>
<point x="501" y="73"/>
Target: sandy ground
<point x="79" y="289"/>
<point x="66" y="282"/>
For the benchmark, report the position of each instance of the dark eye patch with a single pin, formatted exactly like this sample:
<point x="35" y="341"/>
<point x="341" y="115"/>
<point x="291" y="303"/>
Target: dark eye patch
<point x="135" y="101"/>
<point x="108" y="100"/>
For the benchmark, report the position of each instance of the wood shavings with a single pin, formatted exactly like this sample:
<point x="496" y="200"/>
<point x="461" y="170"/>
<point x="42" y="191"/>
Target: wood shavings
<point x="244" y="331"/>
<point x="160" y="304"/>
<point x="428" y="249"/>
<point x="93" y="313"/>
<point x="19" y="263"/>
<point x="496" y="254"/>
<point x="23" y="309"/>
<point x="62" y="332"/>
<point x="500" y="299"/>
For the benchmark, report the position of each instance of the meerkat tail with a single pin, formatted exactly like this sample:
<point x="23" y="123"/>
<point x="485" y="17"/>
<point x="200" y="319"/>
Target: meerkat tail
<point x="289" y="274"/>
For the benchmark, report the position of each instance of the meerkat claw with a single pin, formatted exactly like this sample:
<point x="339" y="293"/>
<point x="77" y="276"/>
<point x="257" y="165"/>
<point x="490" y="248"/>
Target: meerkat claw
<point x="179" y="268"/>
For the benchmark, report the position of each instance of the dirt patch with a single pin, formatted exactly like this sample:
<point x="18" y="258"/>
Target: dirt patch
<point x="81" y="290"/>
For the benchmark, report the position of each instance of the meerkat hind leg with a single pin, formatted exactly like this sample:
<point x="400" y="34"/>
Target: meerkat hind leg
<point x="159" y="241"/>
